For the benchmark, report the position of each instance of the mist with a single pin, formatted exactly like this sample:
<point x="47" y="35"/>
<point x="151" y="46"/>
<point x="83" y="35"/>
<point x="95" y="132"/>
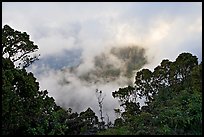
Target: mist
<point x="89" y="46"/>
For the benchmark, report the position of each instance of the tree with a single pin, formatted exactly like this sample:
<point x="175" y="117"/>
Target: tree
<point x="173" y="99"/>
<point x="19" y="97"/>
<point x="17" y="46"/>
<point x="89" y="122"/>
<point x="184" y="64"/>
<point x="100" y="99"/>
<point x="126" y="94"/>
<point x="143" y="84"/>
<point x="25" y="109"/>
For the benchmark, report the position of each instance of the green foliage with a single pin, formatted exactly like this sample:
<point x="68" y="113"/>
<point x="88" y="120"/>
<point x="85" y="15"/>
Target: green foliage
<point x="122" y="130"/>
<point x="28" y="111"/>
<point x="17" y="46"/>
<point x="89" y="121"/>
<point x="143" y="84"/>
<point x="118" y="122"/>
<point x="124" y="95"/>
<point x="25" y="109"/>
<point x="173" y="96"/>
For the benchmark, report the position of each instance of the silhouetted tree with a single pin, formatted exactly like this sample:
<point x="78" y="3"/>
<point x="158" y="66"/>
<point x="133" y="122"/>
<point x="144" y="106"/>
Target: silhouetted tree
<point x="17" y="46"/>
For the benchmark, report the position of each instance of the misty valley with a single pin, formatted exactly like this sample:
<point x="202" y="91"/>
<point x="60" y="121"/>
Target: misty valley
<point x="111" y="69"/>
<point x="109" y="93"/>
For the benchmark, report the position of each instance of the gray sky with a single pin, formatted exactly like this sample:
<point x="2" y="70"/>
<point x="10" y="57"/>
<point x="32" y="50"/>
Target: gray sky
<point x="164" y="29"/>
<point x="167" y="29"/>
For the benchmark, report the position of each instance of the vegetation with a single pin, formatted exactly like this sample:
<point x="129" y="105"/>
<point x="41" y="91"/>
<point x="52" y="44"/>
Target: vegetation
<point x="25" y="109"/>
<point x="173" y="97"/>
<point x="172" y="93"/>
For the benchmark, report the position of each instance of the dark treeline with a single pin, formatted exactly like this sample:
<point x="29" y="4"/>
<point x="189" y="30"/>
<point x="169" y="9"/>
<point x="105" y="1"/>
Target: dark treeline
<point x="172" y="94"/>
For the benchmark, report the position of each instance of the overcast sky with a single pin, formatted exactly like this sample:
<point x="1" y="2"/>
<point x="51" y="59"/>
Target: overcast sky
<point x="167" y="29"/>
<point x="164" y="29"/>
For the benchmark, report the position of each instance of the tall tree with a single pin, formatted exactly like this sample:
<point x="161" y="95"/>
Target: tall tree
<point x="18" y="47"/>
<point x="24" y="106"/>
